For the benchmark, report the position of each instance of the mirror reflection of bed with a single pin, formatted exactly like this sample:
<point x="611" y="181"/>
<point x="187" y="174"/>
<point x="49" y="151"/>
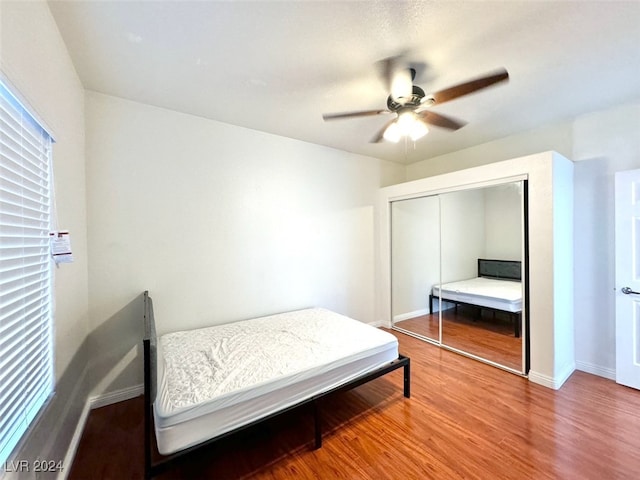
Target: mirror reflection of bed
<point x="445" y="247"/>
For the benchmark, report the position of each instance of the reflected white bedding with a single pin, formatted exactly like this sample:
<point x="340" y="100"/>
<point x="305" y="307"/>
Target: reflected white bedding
<point x="485" y="292"/>
<point x="216" y="379"/>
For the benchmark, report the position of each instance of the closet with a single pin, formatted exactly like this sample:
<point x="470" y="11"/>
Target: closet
<point x="458" y="262"/>
<point x="436" y="231"/>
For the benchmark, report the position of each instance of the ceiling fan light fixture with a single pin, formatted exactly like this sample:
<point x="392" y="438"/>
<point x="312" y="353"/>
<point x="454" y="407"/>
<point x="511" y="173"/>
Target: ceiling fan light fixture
<point x="406" y="121"/>
<point x="418" y="130"/>
<point x="410" y="103"/>
<point x="392" y="133"/>
<point x="406" y="125"/>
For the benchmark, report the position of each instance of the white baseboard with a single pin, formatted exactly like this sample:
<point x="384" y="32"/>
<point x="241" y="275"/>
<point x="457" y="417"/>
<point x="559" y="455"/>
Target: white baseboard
<point x="564" y="376"/>
<point x="105" y="399"/>
<point x="540" y="379"/>
<point x="75" y="441"/>
<point x="552" y="382"/>
<point x="408" y="315"/>
<point x="378" y="324"/>
<point x="609" y="373"/>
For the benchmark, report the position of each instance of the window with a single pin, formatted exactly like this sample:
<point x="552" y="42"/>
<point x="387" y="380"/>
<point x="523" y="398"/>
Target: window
<point x="26" y="357"/>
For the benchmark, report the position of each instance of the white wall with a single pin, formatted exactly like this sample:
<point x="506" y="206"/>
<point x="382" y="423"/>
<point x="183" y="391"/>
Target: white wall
<point x="503" y="222"/>
<point x="462" y="233"/>
<point x="556" y="137"/>
<point x="220" y="223"/>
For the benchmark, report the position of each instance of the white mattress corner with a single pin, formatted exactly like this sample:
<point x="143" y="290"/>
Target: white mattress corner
<point x="215" y="379"/>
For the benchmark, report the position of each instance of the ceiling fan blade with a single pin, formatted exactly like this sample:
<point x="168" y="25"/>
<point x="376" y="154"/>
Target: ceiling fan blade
<point x="380" y="135"/>
<point x="469" y="87"/>
<point x="364" y="113"/>
<point x="397" y="76"/>
<point x="386" y="68"/>
<point x="440" y="120"/>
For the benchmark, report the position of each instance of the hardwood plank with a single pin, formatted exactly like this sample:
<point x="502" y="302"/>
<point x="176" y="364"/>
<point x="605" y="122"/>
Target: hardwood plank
<point x="463" y="420"/>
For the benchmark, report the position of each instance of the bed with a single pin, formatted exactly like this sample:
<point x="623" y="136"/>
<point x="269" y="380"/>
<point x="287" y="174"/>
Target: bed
<point x="202" y="385"/>
<point x="497" y="288"/>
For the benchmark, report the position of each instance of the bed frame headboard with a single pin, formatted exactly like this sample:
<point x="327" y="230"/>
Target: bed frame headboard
<point x="500" y="269"/>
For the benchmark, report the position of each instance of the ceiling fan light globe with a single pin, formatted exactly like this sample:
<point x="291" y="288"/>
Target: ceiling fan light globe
<point x="418" y="130"/>
<point x="405" y="122"/>
<point x="392" y="133"/>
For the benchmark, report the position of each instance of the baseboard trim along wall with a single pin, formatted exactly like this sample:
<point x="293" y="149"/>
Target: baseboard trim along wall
<point x="552" y="382"/>
<point x="73" y="444"/>
<point x="378" y="324"/>
<point x="105" y="399"/>
<point x="408" y="315"/>
<point x="543" y="380"/>
<point x="609" y="373"/>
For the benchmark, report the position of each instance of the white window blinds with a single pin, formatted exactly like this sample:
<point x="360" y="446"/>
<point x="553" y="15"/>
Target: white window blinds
<point x="26" y="373"/>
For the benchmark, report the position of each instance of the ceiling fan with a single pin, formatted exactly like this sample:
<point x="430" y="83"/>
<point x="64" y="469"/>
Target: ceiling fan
<point x="410" y="104"/>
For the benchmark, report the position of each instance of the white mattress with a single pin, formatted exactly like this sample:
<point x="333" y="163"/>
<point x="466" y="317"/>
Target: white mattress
<point x="215" y="379"/>
<point x="485" y="292"/>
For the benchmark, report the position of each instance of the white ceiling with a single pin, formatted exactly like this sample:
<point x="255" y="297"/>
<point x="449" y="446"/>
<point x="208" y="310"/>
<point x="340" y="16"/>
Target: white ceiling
<point x="277" y="66"/>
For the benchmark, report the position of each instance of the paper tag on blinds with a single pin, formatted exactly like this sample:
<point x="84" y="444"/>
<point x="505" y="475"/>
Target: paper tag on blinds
<point x="61" y="246"/>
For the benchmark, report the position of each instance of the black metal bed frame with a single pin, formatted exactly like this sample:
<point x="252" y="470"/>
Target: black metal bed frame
<point x="500" y="270"/>
<point x="152" y="468"/>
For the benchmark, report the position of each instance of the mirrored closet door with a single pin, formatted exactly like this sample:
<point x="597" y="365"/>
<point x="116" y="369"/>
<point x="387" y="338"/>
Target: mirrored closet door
<point x="482" y="255"/>
<point x="415" y="265"/>
<point x="457" y="271"/>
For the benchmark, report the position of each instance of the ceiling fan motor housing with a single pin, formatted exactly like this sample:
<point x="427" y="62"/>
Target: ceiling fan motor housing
<point x="414" y="100"/>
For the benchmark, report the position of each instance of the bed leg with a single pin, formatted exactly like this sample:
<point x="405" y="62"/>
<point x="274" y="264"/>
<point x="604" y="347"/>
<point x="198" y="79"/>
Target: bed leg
<point x="517" y="321"/>
<point x="407" y="379"/>
<point x="317" y="425"/>
<point x="430" y="303"/>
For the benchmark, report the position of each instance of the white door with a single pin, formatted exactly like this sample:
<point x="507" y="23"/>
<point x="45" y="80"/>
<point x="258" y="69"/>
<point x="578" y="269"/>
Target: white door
<point x="628" y="278"/>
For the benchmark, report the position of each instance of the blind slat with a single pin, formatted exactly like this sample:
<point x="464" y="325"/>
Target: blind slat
<point x="10" y="342"/>
<point x="27" y="148"/>
<point x="34" y="289"/>
<point x="15" y="162"/>
<point x="14" y="200"/>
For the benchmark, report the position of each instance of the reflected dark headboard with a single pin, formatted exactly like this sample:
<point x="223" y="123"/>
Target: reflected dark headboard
<point x="500" y="269"/>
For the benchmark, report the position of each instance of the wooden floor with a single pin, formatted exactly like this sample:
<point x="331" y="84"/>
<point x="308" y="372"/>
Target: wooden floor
<point x="489" y="337"/>
<point x="464" y="419"/>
